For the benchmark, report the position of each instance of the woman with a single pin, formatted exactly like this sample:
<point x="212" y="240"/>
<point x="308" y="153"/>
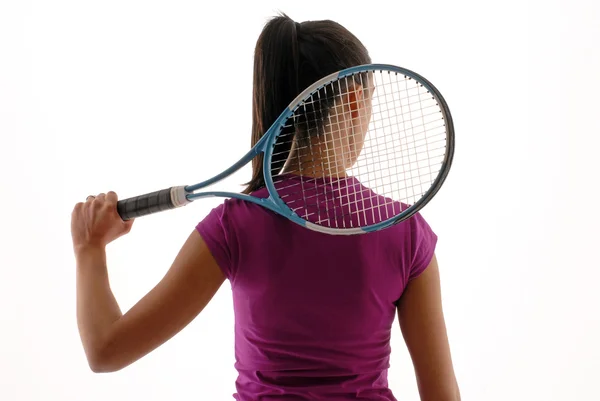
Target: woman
<point x="314" y="314"/>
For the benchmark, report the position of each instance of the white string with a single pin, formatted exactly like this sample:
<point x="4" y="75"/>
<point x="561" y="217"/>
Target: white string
<point x="403" y="150"/>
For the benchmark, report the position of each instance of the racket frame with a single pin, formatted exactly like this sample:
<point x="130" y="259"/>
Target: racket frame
<point x="267" y="143"/>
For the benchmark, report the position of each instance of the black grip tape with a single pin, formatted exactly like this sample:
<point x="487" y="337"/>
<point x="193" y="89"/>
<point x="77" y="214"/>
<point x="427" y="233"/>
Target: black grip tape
<point x="142" y="205"/>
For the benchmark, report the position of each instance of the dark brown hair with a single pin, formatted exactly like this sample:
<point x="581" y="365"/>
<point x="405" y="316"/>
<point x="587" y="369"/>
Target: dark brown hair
<point x="290" y="56"/>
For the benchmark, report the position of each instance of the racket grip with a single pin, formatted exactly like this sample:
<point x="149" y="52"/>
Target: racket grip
<point x="153" y="202"/>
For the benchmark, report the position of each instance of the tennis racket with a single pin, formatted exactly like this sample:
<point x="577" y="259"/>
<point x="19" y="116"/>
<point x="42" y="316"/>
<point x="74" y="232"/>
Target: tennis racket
<point x="358" y="151"/>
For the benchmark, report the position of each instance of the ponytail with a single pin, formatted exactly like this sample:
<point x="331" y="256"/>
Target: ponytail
<point x="289" y="56"/>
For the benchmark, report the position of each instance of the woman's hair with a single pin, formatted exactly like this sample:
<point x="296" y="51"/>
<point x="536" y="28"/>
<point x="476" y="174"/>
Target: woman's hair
<point x="289" y="57"/>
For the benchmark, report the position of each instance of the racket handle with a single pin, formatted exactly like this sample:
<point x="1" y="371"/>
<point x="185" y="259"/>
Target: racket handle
<point x="153" y="202"/>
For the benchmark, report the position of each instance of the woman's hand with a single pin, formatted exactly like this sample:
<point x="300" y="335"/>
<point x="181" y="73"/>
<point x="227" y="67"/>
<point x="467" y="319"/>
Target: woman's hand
<point x="96" y="222"/>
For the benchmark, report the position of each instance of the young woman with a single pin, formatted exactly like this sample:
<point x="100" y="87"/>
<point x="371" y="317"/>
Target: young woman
<point x="315" y="313"/>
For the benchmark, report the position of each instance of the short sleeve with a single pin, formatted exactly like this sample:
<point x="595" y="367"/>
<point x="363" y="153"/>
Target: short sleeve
<point x="423" y="242"/>
<point x="214" y="230"/>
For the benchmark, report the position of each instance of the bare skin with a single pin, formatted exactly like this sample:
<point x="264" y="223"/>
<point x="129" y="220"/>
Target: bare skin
<point x="424" y="331"/>
<point x="339" y="146"/>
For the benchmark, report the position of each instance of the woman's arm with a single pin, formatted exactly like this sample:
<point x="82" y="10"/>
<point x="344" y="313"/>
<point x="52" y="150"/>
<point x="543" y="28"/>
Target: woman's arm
<point x="424" y="330"/>
<point x="112" y="340"/>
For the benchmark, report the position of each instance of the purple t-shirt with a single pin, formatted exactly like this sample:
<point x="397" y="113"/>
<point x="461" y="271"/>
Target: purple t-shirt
<point x="313" y="311"/>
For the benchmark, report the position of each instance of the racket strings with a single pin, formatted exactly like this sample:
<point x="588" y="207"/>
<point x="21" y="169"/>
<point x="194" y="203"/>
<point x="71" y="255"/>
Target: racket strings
<point x="370" y="152"/>
<point x="396" y="174"/>
<point x="391" y="125"/>
<point x="306" y="197"/>
<point x="364" y="208"/>
<point x="293" y="139"/>
<point x="320" y="100"/>
<point x="390" y="120"/>
<point x="419" y="147"/>
<point x="408" y="167"/>
<point x="360" y="160"/>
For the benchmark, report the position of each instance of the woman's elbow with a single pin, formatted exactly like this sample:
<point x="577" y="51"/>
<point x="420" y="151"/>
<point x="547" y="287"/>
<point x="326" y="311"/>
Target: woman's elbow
<point x="101" y="361"/>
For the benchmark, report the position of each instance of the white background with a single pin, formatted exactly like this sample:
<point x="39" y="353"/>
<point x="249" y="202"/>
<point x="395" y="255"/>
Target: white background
<point x="135" y="96"/>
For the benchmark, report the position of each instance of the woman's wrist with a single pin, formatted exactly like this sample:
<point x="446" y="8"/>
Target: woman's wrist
<point x="86" y="252"/>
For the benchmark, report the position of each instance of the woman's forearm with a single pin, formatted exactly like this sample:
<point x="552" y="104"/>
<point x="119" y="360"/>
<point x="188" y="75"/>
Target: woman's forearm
<point x="97" y="308"/>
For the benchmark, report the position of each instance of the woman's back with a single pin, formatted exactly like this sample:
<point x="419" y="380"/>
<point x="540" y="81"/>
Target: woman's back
<point x="313" y="312"/>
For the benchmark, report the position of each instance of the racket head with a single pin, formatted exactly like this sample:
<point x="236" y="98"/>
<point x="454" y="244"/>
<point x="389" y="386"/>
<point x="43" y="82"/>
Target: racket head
<point x="401" y="160"/>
